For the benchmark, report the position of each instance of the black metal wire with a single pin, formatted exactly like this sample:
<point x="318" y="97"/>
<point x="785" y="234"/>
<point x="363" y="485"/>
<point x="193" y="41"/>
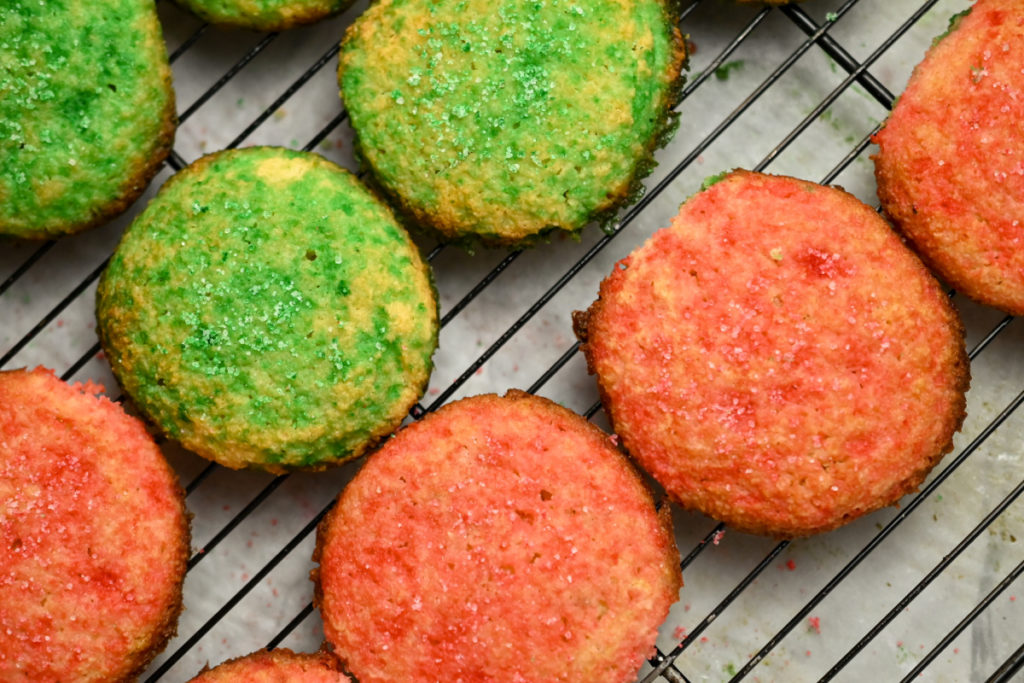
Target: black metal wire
<point x="54" y="312"/>
<point x="884" y="97"/>
<point x="188" y="43"/>
<point x="1010" y="668"/>
<point x="338" y="119"/>
<point x="290" y="626"/>
<point x="925" y="582"/>
<point x="692" y="636"/>
<point x="229" y="74"/>
<point x="239" y="517"/>
<point x="674" y="675"/>
<point x="24" y="267"/>
<point x="200" y="478"/>
<point x="175" y="161"/>
<point x="719" y="59"/>
<point x="286" y="95"/>
<point x="838" y="53"/>
<point x="77" y="365"/>
<point x="554" y="368"/>
<point x="965" y="622"/>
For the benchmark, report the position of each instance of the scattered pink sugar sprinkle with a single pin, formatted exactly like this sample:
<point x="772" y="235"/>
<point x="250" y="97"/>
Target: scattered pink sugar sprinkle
<point x="815" y="623"/>
<point x="718" y="537"/>
<point x="790" y="565"/>
<point x="679" y="634"/>
<point x="614" y="438"/>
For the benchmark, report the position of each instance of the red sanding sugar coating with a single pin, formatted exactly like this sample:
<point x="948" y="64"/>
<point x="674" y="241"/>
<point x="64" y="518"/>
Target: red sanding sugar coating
<point x="777" y="359"/>
<point x="278" y="666"/>
<point x="93" y="536"/>
<point x="950" y="166"/>
<point x="498" y="540"/>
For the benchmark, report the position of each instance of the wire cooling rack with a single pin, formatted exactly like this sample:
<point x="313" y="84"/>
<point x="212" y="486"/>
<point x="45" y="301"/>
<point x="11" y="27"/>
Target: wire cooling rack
<point x="929" y="589"/>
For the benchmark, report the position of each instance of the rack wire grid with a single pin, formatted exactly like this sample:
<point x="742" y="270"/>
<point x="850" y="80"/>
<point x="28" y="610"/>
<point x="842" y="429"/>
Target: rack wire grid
<point x="928" y="589"/>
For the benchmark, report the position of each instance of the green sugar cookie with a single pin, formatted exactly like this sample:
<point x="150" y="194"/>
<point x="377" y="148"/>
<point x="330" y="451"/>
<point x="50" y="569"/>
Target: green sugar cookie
<point x="501" y="120"/>
<point x="267" y="310"/>
<point x="264" y="15"/>
<point x="86" y="112"/>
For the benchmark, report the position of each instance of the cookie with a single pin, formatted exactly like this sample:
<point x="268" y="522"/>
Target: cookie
<point x="500" y="539"/>
<point x="277" y="666"/>
<point x="94" y="535"/>
<point x="498" y="122"/>
<point x="777" y="359"/>
<point x="86" y="112"/>
<point x="264" y="15"/>
<point x="950" y="163"/>
<point x="266" y="310"/>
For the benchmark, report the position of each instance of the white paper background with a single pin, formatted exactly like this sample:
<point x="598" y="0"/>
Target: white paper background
<point x="800" y="570"/>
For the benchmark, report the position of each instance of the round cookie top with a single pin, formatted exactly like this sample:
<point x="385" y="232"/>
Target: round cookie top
<point x="265" y="15"/>
<point x="86" y="112"/>
<point x="777" y="359"/>
<point x="94" y="536"/>
<point x="267" y="310"/>
<point x="498" y="539"/>
<point x="950" y="166"/>
<point x="277" y="666"/>
<point x="502" y="120"/>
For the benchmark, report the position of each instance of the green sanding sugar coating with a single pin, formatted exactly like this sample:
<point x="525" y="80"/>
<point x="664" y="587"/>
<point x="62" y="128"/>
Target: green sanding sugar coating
<point x="265" y="15"/>
<point x="86" y="111"/>
<point x="266" y="309"/>
<point x="505" y="118"/>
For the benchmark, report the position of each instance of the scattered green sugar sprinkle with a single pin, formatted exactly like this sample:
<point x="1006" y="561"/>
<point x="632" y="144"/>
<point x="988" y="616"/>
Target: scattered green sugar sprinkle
<point x="287" y="319"/>
<point x="508" y="117"/>
<point x="723" y="72"/>
<point x="84" y="97"/>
